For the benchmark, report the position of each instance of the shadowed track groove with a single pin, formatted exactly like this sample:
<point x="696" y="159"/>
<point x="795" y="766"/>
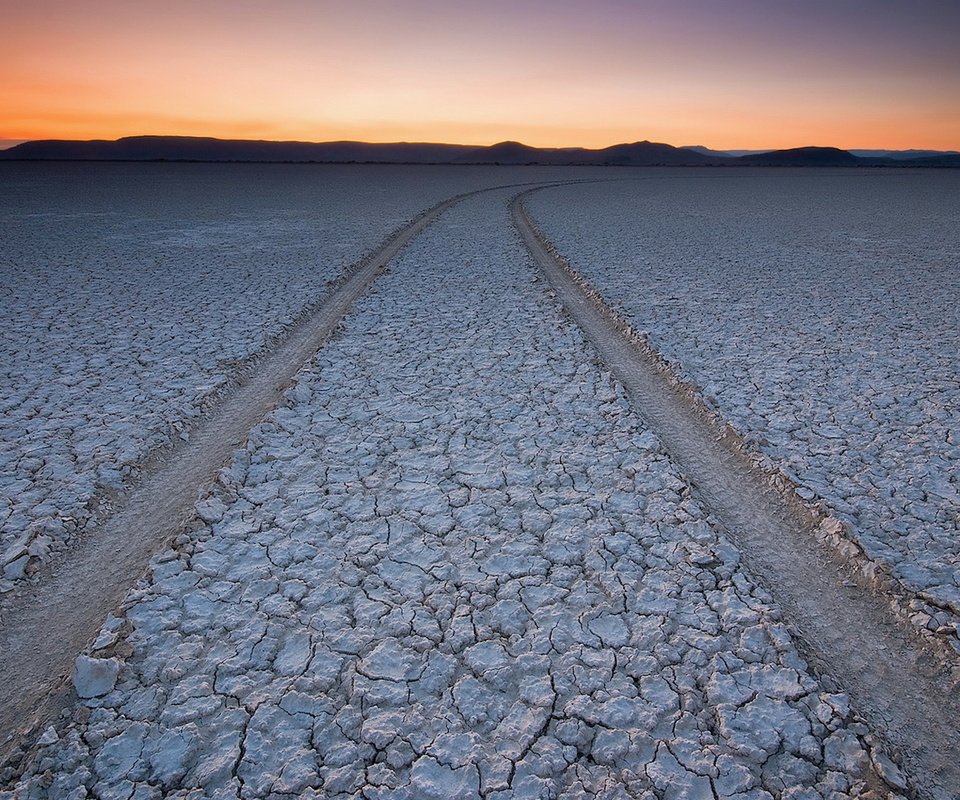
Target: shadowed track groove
<point x="897" y="682"/>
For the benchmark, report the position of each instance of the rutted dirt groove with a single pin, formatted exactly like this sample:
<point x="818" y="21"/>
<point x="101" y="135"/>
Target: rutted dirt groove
<point x="44" y="627"/>
<point x="897" y="681"/>
<point x="453" y="563"/>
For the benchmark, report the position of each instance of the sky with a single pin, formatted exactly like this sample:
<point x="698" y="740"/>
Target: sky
<point x="722" y="73"/>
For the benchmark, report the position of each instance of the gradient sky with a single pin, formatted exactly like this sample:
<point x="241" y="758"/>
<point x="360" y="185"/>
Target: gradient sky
<point x="724" y="73"/>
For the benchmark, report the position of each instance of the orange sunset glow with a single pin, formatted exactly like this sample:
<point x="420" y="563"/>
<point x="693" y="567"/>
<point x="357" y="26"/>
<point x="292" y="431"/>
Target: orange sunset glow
<point x="728" y="75"/>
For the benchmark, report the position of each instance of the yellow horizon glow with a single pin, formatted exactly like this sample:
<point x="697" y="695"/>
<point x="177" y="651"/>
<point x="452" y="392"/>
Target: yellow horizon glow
<point x="318" y="72"/>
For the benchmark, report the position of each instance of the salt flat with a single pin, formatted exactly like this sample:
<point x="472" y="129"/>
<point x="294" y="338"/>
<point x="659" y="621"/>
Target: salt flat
<point x="454" y="563"/>
<point x="818" y="312"/>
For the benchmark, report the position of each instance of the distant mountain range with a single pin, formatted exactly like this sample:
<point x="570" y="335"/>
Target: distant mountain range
<point x="640" y="154"/>
<point x="898" y="155"/>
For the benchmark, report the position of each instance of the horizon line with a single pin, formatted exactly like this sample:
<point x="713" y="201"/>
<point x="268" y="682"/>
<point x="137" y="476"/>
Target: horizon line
<point x="9" y="143"/>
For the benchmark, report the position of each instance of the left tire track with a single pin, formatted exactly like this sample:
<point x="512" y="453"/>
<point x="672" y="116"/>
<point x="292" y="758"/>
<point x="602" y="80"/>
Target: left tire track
<point x="44" y="626"/>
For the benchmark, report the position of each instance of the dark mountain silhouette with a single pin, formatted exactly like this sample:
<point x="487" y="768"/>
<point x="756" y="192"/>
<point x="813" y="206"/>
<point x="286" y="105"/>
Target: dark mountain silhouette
<point x="901" y="154"/>
<point x="517" y="153"/>
<point x="189" y="148"/>
<point x="653" y="154"/>
<point x="705" y="151"/>
<point x="802" y="157"/>
<point x="736" y="153"/>
<point x="640" y="154"/>
<point x="636" y="154"/>
<point x="884" y="155"/>
<point x="194" y="148"/>
<point x="699" y="148"/>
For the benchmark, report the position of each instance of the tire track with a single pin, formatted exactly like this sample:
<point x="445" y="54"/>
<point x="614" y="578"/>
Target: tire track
<point x="899" y="683"/>
<point x="43" y="627"/>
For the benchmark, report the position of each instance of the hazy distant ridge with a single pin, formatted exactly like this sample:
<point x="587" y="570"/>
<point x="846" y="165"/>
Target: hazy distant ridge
<point x="189" y="148"/>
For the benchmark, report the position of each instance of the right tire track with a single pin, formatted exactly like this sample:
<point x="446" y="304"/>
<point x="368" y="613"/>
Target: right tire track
<point x="898" y="682"/>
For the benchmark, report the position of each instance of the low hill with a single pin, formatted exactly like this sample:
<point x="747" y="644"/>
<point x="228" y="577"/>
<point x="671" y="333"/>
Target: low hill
<point x="651" y="154"/>
<point x="801" y="157"/>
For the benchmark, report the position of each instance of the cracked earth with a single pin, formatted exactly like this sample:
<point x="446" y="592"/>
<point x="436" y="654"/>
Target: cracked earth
<point x="819" y="315"/>
<point x="132" y="300"/>
<point x="453" y="564"/>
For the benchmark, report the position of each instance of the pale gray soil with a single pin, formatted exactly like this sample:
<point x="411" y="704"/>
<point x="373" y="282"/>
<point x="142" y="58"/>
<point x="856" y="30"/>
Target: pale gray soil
<point x="818" y="312"/>
<point x="895" y="680"/>
<point x="453" y="564"/>
<point x="43" y="627"/>
<point x="455" y="559"/>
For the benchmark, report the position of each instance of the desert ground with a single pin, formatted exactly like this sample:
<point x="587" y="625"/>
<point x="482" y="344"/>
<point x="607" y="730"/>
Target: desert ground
<point x="476" y="482"/>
